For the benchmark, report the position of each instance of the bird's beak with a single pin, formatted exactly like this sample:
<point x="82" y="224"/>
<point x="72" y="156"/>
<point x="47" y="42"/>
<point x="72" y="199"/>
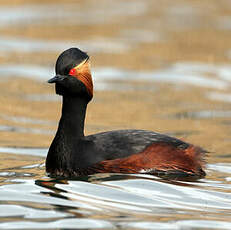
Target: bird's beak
<point x="56" y="78"/>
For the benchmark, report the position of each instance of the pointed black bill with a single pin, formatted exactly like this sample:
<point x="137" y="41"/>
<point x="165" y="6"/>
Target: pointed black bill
<point x="56" y="78"/>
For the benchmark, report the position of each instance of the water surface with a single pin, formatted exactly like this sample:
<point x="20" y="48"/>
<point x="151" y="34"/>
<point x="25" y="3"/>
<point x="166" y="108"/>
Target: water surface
<point x="164" y="68"/>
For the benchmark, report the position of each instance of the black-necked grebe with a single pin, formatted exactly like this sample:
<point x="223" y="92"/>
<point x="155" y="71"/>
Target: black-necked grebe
<point x="121" y="151"/>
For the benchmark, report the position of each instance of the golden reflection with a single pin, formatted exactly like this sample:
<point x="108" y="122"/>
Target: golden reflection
<point x="201" y="39"/>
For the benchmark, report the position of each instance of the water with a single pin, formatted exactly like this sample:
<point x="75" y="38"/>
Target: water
<point x="165" y="68"/>
<point x="112" y="201"/>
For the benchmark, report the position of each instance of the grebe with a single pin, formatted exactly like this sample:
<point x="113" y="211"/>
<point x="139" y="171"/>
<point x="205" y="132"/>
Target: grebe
<point x="73" y="154"/>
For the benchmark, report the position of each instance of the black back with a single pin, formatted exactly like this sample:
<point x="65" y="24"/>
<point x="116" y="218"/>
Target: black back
<point x="123" y="143"/>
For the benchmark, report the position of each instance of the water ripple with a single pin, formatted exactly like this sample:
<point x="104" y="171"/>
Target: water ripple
<point x="59" y="224"/>
<point x="179" y="73"/>
<point x="25" y="151"/>
<point x="62" y="14"/>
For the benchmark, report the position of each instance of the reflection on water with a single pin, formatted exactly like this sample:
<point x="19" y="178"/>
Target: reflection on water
<point x="53" y="203"/>
<point x="24" y="151"/>
<point x="137" y="201"/>
<point x="64" y="13"/>
<point x="221" y="167"/>
<point x="194" y="74"/>
<point x="203" y="114"/>
<point x="224" y="23"/>
<point x="98" y="45"/>
<point x="42" y="97"/>
<point x="165" y="65"/>
<point x="26" y="120"/>
<point x="24" y="130"/>
<point x="28" y="71"/>
<point x="226" y="97"/>
<point x="177" y="75"/>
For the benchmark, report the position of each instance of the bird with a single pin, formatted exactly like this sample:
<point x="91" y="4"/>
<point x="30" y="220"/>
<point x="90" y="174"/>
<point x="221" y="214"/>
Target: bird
<point x="130" y="151"/>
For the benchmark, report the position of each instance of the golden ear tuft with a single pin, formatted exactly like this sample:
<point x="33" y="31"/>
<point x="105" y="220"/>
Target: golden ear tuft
<point x="83" y="73"/>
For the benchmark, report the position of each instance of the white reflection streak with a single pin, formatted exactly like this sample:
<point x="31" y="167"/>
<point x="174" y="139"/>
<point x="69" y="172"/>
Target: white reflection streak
<point x="176" y="76"/>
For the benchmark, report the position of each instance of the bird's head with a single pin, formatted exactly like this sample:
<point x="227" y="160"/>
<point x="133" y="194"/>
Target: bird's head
<point x="73" y="75"/>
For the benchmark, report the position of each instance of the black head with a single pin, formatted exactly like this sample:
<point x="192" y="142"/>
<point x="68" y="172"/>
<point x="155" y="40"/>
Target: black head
<point x="73" y="75"/>
<point x="69" y="59"/>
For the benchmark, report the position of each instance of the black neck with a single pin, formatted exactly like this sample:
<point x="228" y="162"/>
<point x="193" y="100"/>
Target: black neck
<point x="69" y="134"/>
<point x="73" y="116"/>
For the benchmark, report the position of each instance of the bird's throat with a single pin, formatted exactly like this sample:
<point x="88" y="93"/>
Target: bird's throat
<point x="73" y="117"/>
<point x="70" y="132"/>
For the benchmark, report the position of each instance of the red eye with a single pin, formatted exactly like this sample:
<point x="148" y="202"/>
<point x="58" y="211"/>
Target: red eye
<point x="72" y="72"/>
